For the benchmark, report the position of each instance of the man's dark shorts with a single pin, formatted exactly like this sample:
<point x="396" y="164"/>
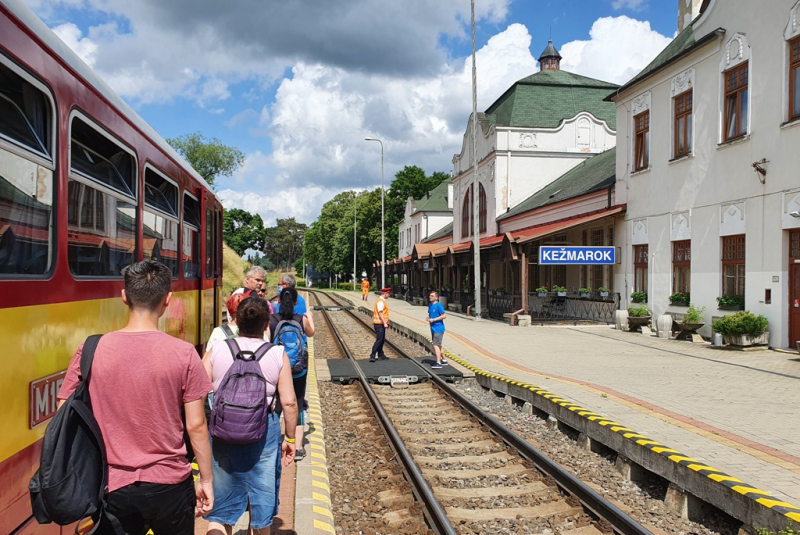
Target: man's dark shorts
<point x="437" y="338"/>
<point x="167" y="509"/>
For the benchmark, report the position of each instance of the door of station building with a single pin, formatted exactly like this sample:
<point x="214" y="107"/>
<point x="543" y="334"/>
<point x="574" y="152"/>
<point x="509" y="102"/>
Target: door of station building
<point x="794" y="288"/>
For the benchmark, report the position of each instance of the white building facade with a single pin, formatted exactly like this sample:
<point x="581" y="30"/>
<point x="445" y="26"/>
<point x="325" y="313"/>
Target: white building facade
<point x="709" y="172"/>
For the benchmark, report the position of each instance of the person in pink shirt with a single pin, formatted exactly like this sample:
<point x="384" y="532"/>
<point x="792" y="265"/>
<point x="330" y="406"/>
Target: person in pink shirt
<point x="143" y="384"/>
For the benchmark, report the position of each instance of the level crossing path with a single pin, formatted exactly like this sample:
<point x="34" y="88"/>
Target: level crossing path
<point x="736" y="411"/>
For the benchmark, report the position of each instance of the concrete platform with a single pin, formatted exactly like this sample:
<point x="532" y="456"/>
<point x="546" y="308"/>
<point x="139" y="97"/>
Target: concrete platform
<point x="729" y="416"/>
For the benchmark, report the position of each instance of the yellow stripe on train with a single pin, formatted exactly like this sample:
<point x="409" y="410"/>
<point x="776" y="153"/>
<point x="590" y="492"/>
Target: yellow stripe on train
<point x="39" y="342"/>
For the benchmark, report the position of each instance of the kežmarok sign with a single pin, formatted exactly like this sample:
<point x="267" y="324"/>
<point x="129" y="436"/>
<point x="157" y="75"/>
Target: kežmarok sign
<point x="577" y="255"/>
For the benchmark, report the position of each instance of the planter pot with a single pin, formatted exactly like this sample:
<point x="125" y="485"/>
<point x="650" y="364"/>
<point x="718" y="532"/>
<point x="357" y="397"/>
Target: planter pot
<point x="635" y="323"/>
<point x="687" y="331"/>
<point x="562" y="294"/>
<point x="745" y="340"/>
<point x="678" y="304"/>
<point x="542" y="294"/>
<point x="730" y="307"/>
<point x="638" y="301"/>
<point x="603" y="294"/>
<point x="585" y="294"/>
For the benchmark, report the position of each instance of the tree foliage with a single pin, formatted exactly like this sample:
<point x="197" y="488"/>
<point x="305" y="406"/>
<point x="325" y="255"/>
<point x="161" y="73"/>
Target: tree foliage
<point x="209" y="157"/>
<point x="283" y="243"/>
<point x="242" y="230"/>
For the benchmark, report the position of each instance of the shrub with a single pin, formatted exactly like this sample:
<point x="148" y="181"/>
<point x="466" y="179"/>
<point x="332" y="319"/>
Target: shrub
<point x="584" y="290"/>
<point x="730" y="300"/>
<point x="680" y="298"/>
<point x="694" y="314"/>
<point x="603" y="289"/>
<point x="557" y="288"/>
<point x="541" y="289"/>
<point x="639" y="297"/>
<point x="743" y="322"/>
<point x="638" y="311"/>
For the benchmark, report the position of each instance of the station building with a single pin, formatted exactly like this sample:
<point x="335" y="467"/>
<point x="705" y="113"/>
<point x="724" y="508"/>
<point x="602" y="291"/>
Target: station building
<point x="545" y="175"/>
<point x="708" y="167"/>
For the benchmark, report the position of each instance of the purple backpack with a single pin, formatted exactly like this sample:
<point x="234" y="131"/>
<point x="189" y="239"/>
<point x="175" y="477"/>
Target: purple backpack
<point x="239" y="415"/>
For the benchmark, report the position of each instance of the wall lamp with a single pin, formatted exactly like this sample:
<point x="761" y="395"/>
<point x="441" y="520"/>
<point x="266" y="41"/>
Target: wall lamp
<point x="760" y="168"/>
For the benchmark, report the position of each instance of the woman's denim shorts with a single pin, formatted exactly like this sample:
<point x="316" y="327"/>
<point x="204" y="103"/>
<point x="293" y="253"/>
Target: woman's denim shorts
<point x="247" y="473"/>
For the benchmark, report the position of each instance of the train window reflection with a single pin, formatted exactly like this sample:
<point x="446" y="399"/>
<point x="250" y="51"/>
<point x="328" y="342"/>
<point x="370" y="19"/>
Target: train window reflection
<point x="94" y="155"/>
<point x="160" y="240"/>
<point x="160" y="194"/>
<point x="101" y="232"/>
<point x="26" y="216"/>
<point x="25" y="112"/>
<point x="191" y="237"/>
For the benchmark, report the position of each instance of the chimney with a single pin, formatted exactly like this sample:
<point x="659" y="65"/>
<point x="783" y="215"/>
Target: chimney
<point x="688" y="10"/>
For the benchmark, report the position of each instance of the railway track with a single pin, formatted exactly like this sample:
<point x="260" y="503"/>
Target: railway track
<point x="469" y="473"/>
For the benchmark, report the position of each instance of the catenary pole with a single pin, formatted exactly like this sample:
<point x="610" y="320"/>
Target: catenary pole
<point x="476" y="237"/>
<point x="383" y="220"/>
<point x="355" y="203"/>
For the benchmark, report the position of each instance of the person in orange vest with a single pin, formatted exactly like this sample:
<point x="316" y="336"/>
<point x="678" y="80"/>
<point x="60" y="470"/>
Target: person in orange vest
<point x="380" y="322"/>
<point x="365" y="289"/>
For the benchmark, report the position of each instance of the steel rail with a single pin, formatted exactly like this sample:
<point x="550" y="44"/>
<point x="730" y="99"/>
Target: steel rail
<point x="594" y="502"/>
<point x="434" y="511"/>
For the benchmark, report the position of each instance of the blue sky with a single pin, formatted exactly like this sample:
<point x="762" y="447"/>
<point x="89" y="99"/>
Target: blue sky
<point x="297" y="85"/>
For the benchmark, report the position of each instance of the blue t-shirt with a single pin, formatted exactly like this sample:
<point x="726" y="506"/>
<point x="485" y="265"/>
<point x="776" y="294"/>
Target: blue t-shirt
<point x="434" y="311"/>
<point x="299" y="308"/>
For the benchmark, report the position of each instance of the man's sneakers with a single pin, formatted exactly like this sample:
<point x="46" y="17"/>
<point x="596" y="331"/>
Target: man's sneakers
<point x="299" y="454"/>
<point x="372" y="359"/>
<point x="444" y="362"/>
<point x="436" y="366"/>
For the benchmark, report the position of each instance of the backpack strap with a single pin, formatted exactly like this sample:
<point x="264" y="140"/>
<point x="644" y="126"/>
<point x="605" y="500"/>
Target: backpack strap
<point x="227" y="330"/>
<point x="262" y="350"/>
<point x="234" y="347"/>
<point x="87" y="356"/>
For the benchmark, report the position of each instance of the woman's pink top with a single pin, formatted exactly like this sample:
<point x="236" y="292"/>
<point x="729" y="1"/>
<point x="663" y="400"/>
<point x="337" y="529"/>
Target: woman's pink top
<point x="271" y="363"/>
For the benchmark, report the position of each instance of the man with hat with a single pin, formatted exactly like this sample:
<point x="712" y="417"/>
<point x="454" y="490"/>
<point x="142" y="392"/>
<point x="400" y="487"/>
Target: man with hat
<point x="380" y="321"/>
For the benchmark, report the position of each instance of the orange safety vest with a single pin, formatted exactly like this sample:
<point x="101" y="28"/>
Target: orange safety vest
<point x="365" y="287"/>
<point x="376" y="320"/>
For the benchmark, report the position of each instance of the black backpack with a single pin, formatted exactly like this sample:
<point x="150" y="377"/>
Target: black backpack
<point x="72" y="479"/>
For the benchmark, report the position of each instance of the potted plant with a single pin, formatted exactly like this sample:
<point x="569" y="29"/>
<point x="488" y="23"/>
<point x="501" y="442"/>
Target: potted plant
<point x="603" y="291"/>
<point x="560" y="290"/>
<point x="691" y="322"/>
<point x="731" y="302"/>
<point x="542" y="291"/>
<point x="585" y="292"/>
<point x="638" y="317"/>
<point x="680" y="299"/>
<point x="639" y="297"/>
<point x="743" y="329"/>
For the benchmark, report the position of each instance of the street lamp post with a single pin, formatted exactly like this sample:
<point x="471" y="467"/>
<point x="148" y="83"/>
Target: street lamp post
<point x="383" y="230"/>
<point x="355" y="201"/>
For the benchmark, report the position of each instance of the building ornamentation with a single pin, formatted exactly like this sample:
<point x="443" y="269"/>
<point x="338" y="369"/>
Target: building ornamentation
<point x="682" y="83"/>
<point x="527" y="140"/>
<point x="641" y="103"/>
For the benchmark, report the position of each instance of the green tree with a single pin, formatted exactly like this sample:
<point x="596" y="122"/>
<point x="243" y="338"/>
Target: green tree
<point x="209" y="157"/>
<point x="242" y="230"/>
<point x="283" y="243"/>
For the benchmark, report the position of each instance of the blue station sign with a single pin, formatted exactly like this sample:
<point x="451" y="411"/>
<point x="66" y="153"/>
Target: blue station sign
<point x="577" y="255"/>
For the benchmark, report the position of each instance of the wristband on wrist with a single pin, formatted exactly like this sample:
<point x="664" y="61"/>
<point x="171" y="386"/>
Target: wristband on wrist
<point x="289" y="440"/>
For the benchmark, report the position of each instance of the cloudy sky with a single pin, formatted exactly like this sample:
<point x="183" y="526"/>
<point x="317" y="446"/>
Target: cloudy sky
<point x="298" y="84"/>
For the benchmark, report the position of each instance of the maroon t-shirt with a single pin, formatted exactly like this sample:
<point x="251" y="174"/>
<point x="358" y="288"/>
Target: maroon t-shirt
<point x="138" y="386"/>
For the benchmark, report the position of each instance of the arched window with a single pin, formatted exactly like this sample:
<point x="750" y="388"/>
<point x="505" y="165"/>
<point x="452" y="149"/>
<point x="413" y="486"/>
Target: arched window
<point x="466" y="213"/>
<point x="482" y="208"/>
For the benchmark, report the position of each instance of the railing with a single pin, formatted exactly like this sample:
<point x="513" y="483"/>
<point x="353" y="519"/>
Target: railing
<point x="573" y="307"/>
<point x="499" y="303"/>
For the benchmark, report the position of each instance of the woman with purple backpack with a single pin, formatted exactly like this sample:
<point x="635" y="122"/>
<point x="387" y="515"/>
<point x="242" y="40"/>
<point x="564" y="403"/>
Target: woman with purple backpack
<point x="248" y="472"/>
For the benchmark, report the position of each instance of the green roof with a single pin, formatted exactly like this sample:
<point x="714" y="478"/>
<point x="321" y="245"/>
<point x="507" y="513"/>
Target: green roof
<point x="590" y="175"/>
<point x="447" y="230"/>
<point x="546" y="98"/>
<point x="434" y="201"/>
<point x="683" y="43"/>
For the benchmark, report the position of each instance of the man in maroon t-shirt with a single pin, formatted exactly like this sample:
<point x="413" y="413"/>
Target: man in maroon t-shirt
<point x="142" y="380"/>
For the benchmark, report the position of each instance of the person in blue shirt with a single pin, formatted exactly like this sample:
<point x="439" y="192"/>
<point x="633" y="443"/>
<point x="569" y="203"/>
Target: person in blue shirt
<point x="436" y="316"/>
<point x="287" y="280"/>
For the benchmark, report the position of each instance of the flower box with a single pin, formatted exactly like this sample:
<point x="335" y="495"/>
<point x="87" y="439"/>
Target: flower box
<point x="542" y="294"/>
<point x="562" y="294"/>
<point x="603" y="294"/>
<point x="678" y="304"/>
<point x="746" y="340"/>
<point x="730" y="307"/>
<point x="585" y="294"/>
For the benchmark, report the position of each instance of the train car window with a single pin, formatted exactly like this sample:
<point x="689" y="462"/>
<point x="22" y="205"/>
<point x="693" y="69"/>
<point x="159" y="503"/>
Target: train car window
<point x="191" y="237"/>
<point x="209" y="245"/>
<point x="160" y="220"/>
<point x="95" y="156"/>
<point x="101" y="231"/>
<point x="26" y="174"/>
<point x="26" y="112"/>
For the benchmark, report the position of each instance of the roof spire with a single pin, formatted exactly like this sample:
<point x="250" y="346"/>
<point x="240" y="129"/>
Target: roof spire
<point x="550" y="59"/>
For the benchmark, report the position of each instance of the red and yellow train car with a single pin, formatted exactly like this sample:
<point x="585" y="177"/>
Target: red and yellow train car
<point x="86" y="188"/>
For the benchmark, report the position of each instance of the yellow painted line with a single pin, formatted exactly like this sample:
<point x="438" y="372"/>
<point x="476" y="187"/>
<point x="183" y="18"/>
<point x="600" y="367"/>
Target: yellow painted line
<point x="793" y="516"/>
<point x="679" y="458"/>
<point x="633" y="435"/>
<point x="749" y="490"/>
<point x="618" y="429"/>
<point x="724" y="477"/>
<point x="317" y="473"/>
<point x="698" y="467"/>
<point x="664" y="449"/>
<point x="315" y="438"/>
<point x="322" y="511"/>
<point x="317" y="447"/>
<point x="324" y="526"/>
<point x="320" y="485"/>
<point x="775" y="503"/>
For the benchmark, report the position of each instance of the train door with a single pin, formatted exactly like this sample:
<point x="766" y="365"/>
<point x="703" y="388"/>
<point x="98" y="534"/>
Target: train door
<point x="208" y="299"/>
<point x="794" y="287"/>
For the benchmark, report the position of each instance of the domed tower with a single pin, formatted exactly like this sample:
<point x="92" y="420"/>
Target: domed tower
<point x="550" y="60"/>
